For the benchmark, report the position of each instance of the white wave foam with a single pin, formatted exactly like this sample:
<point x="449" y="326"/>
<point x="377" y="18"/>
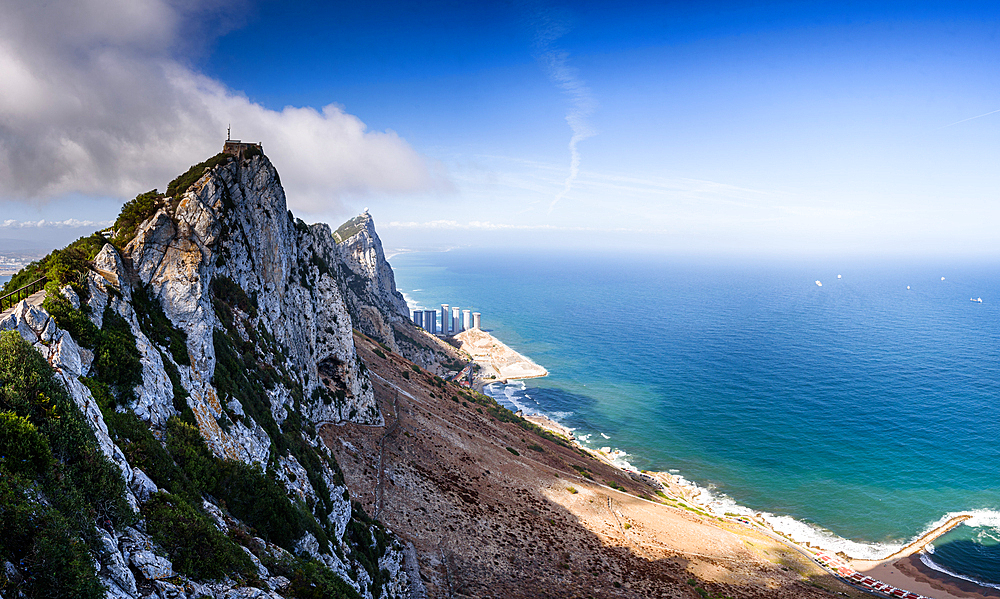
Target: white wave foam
<point x="930" y="563"/>
<point x="805" y="532"/>
<point x="618" y="458"/>
<point x="411" y="303"/>
<point x="719" y="504"/>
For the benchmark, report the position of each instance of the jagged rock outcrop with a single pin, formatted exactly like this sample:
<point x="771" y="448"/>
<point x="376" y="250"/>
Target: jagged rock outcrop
<point x="369" y="284"/>
<point x="376" y="306"/>
<point x="239" y="320"/>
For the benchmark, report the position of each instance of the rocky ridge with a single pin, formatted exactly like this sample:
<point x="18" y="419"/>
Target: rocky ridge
<point x="377" y="307"/>
<point x="236" y="320"/>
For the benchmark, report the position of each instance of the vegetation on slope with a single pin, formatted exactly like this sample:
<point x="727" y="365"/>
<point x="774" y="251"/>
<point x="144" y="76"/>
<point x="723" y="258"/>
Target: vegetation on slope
<point x="348" y="229"/>
<point x="62" y="267"/>
<point x="55" y="484"/>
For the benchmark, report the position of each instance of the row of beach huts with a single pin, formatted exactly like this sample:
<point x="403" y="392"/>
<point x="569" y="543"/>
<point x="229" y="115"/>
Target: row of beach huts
<point x="838" y="567"/>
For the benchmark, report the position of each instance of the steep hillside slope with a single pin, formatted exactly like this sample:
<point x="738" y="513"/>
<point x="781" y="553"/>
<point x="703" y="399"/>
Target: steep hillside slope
<point x="496" y="508"/>
<point x="203" y="343"/>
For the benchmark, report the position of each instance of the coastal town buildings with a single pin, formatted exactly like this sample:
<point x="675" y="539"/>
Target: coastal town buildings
<point x="454" y="320"/>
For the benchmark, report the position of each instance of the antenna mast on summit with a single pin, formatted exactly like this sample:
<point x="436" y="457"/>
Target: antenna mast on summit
<point x="229" y="133"/>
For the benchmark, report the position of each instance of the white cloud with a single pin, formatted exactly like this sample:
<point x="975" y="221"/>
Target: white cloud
<point x="70" y="223"/>
<point x="97" y="100"/>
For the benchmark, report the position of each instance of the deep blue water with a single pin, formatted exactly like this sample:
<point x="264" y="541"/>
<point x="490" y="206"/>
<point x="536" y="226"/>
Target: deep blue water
<point x="857" y="413"/>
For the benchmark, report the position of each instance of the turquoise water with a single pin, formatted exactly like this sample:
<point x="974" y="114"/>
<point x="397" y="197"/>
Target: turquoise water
<point x="856" y="414"/>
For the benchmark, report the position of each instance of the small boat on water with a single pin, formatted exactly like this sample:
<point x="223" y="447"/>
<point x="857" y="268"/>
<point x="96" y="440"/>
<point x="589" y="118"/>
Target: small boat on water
<point x="818" y="284"/>
<point x="978" y="300"/>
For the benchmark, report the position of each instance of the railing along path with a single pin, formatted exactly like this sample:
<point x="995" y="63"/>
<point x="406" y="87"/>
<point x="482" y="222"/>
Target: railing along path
<point x="10" y="299"/>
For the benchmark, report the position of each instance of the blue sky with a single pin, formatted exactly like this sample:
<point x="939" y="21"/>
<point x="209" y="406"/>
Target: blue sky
<point x="766" y="128"/>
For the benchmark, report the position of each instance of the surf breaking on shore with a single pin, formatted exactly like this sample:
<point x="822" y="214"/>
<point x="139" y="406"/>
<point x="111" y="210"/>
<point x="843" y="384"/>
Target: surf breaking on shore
<point x="880" y="558"/>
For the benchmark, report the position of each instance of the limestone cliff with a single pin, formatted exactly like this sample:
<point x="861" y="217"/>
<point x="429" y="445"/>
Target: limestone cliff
<point x="378" y="309"/>
<point x="369" y="284"/>
<point x="212" y="309"/>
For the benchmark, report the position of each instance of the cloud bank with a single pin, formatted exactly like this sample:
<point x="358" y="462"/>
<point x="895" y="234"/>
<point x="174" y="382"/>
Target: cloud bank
<point x="70" y="223"/>
<point x="97" y="99"/>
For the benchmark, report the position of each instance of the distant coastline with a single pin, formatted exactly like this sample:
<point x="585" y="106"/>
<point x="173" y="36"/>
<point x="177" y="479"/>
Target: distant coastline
<point x="560" y="309"/>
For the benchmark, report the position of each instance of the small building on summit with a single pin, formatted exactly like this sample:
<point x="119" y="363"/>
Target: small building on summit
<point x="235" y="147"/>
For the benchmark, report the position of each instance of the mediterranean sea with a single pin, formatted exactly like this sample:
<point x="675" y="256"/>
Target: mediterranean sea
<point x="855" y="414"/>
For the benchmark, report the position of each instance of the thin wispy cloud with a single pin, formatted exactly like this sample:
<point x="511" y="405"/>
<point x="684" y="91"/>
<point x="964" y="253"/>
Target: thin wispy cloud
<point x="971" y="118"/>
<point x="566" y="77"/>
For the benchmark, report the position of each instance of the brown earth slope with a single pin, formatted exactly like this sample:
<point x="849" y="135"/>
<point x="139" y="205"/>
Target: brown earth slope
<point x="494" y="509"/>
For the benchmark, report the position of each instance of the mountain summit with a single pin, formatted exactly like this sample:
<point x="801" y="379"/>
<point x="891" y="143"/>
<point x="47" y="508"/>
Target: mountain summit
<point x="203" y="341"/>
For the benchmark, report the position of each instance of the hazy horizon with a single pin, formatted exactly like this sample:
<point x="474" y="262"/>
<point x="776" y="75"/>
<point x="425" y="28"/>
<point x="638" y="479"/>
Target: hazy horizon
<point x="722" y="129"/>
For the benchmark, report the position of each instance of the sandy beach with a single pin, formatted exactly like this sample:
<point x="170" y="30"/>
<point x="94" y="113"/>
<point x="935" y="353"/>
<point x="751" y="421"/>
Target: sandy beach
<point x="496" y="361"/>
<point x="903" y="570"/>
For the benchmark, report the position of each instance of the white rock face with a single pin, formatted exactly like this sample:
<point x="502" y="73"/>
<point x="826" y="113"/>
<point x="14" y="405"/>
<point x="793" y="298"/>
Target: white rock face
<point x="233" y="224"/>
<point x="142" y="486"/>
<point x="370" y="285"/>
<point x="118" y="579"/>
<point x="71" y="296"/>
<point x="150" y="565"/>
<point x="232" y="227"/>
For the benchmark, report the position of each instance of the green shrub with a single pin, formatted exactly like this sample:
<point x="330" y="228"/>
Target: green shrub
<point x="53" y="559"/>
<point x="246" y="491"/>
<point x="183" y="182"/>
<point x="62" y="267"/>
<point x="195" y="546"/>
<point x="379" y="353"/>
<point x="116" y="358"/>
<point x="144" y="451"/>
<point x="311" y="579"/>
<point x="513" y="451"/>
<point x="23" y="450"/>
<point x="252" y="151"/>
<point x="348" y="229"/>
<point x="50" y="449"/>
<point x="360" y="531"/>
<point x="134" y="213"/>
<point x="73" y="321"/>
<point x="227" y="291"/>
<point x="536" y="447"/>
